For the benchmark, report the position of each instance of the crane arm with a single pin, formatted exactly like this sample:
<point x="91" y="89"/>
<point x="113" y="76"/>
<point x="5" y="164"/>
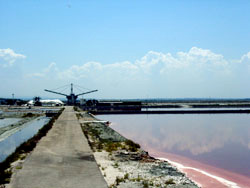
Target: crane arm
<point x="86" y="92"/>
<point x="55" y="92"/>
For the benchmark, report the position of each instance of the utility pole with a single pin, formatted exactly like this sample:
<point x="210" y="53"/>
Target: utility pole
<point x="71" y="89"/>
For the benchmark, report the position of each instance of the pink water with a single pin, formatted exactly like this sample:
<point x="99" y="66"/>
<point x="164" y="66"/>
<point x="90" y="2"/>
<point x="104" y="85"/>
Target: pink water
<point x="214" y="150"/>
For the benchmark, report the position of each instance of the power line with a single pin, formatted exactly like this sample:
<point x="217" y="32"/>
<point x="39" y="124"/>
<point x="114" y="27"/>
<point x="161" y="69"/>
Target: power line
<point x="82" y="87"/>
<point x="61" y="87"/>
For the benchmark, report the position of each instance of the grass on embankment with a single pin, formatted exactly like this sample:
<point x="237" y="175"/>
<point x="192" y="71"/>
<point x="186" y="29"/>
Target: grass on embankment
<point x="23" y="149"/>
<point x="101" y="137"/>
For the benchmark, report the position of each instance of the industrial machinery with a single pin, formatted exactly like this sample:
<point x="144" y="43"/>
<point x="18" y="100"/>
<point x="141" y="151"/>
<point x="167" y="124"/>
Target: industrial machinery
<point x="72" y="97"/>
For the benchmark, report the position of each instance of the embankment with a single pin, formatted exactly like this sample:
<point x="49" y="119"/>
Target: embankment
<point x="123" y="163"/>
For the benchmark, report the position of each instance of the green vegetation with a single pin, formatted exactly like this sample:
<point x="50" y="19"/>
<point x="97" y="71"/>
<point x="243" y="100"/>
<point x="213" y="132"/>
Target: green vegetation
<point x="19" y="167"/>
<point x="145" y="184"/>
<point x="126" y="176"/>
<point x="138" y="178"/>
<point x="76" y="109"/>
<point x="151" y="183"/>
<point x="169" y="181"/>
<point x="97" y="143"/>
<point x="132" y="146"/>
<point x="29" y="115"/>
<point x="23" y="149"/>
<point x="112" y="146"/>
<point x="78" y="115"/>
<point x="119" y="180"/>
<point x="116" y="165"/>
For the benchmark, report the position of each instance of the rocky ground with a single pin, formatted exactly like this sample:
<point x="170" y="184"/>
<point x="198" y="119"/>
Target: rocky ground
<point x="124" y="164"/>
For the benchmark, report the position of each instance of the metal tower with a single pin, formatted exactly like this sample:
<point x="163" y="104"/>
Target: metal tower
<point x="72" y="97"/>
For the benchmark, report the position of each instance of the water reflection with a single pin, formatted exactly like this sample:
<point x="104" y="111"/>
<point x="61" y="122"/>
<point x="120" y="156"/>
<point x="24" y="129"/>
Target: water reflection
<point x="8" y="121"/>
<point x="9" y="145"/>
<point x="221" y="140"/>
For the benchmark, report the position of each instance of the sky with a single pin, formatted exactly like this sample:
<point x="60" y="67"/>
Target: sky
<point x="126" y="49"/>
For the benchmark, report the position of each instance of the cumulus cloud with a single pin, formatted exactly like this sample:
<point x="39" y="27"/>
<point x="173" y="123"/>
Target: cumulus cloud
<point x="245" y="58"/>
<point x="178" y="75"/>
<point x="89" y="69"/>
<point x="202" y="57"/>
<point x="195" y="58"/>
<point x="152" y="62"/>
<point x="8" y="57"/>
<point x="50" y="71"/>
<point x="77" y="72"/>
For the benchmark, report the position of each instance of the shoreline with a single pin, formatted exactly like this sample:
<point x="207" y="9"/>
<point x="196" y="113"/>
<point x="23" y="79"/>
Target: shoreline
<point x="124" y="164"/>
<point x="225" y="176"/>
<point x="203" y="174"/>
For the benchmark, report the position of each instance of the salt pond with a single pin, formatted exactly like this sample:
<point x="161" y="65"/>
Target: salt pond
<point x="217" y="140"/>
<point x="8" y="121"/>
<point x="8" y="145"/>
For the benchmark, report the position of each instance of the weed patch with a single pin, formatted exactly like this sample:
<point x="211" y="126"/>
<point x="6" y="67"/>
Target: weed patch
<point x="132" y="146"/>
<point x="145" y="184"/>
<point x="29" y="115"/>
<point x="170" y="181"/>
<point x="126" y="176"/>
<point x="119" y="180"/>
<point x="112" y="146"/>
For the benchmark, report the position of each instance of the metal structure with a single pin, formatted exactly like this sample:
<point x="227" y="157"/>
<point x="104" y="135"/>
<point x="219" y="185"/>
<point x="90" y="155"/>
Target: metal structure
<point x="72" y="97"/>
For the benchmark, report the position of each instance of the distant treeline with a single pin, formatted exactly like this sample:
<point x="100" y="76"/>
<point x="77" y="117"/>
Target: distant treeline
<point x="8" y="101"/>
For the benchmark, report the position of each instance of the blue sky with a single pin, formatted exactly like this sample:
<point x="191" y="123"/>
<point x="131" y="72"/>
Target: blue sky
<point x="126" y="49"/>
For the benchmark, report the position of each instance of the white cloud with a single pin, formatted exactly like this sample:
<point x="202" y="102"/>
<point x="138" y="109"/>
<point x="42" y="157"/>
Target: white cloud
<point x="152" y="62"/>
<point x="202" y="57"/>
<point x="195" y="58"/>
<point x="96" y="69"/>
<point x="50" y="71"/>
<point x="77" y="72"/>
<point x="245" y="58"/>
<point x="8" y="57"/>
<point x="245" y="61"/>
<point x="195" y="73"/>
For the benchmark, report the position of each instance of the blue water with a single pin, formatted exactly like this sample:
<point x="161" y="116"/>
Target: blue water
<point x="9" y="145"/>
<point x="8" y="121"/>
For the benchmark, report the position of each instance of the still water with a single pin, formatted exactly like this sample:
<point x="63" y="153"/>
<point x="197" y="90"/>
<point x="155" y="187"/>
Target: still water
<point x="219" y="140"/>
<point x="8" y="145"/>
<point x="8" y="121"/>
